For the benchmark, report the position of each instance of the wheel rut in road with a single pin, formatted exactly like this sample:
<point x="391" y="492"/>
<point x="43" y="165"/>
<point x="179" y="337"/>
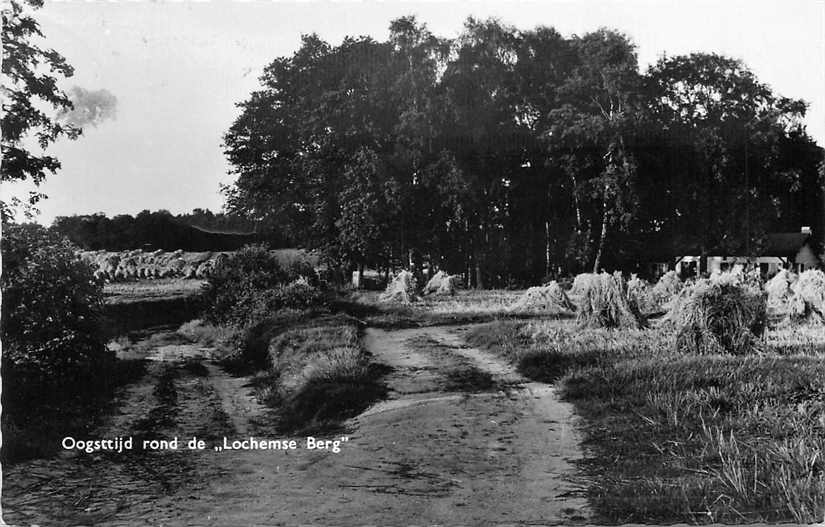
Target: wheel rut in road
<point x="511" y="448"/>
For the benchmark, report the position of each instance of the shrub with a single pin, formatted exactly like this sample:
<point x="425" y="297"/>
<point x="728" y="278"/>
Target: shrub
<point x="252" y="283"/>
<point x="720" y="318"/>
<point x="51" y="311"/>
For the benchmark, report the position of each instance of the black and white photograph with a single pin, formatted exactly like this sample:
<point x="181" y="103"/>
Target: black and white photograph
<point x="394" y="263"/>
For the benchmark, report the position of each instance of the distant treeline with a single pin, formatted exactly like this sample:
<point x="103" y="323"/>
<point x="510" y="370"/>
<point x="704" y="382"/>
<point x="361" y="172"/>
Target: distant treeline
<point x="200" y="230"/>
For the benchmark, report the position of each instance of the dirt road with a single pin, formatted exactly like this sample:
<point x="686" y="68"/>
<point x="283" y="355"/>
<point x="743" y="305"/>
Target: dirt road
<point x="461" y="439"/>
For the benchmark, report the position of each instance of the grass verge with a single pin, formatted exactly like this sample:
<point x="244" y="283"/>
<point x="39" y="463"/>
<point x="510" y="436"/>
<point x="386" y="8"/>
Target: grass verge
<point x="320" y="374"/>
<point x="35" y="419"/>
<point x="680" y="437"/>
<point x="309" y="366"/>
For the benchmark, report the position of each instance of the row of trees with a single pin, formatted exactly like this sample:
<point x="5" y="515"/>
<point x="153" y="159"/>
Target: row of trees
<point x="515" y="154"/>
<point x="200" y="230"/>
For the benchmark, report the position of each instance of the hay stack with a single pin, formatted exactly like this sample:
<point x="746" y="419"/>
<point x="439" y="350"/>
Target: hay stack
<point x="738" y="277"/>
<point x="402" y="288"/>
<point x="753" y="278"/>
<point x="136" y="264"/>
<point x="579" y="284"/>
<point x="640" y="294"/>
<point x="807" y="305"/>
<point x="668" y="287"/>
<point x="779" y="287"/>
<point x="719" y="317"/>
<point x="127" y="267"/>
<point x="604" y="302"/>
<point x="441" y="284"/>
<point x="678" y="302"/>
<point x="549" y="298"/>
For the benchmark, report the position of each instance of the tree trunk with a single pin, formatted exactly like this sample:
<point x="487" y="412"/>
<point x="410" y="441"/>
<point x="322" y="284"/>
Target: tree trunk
<point x="547" y="269"/>
<point x="415" y="266"/>
<point x="597" y="262"/>
<point x="470" y="254"/>
<point x="576" y="205"/>
<point x="479" y="273"/>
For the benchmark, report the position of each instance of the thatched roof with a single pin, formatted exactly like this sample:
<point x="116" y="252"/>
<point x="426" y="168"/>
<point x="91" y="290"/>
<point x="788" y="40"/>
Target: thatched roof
<point x="785" y="244"/>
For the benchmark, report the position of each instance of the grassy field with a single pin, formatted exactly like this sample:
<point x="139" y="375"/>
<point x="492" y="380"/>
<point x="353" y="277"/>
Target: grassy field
<point x="466" y="306"/>
<point x="686" y="438"/>
<point x="149" y="290"/>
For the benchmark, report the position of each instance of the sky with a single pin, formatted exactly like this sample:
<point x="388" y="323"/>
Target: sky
<point x="177" y="69"/>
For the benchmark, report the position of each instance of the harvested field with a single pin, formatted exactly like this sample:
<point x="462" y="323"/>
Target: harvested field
<point x="465" y="307"/>
<point x="144" y="290"/>
<point x="143" y="304"/>
<point x="128" y="266"/>
<point x="662" y="426"/>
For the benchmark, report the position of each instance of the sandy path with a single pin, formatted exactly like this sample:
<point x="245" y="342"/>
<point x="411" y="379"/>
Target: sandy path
<point x="427" y="455"/>
<point x="424" y="456"/>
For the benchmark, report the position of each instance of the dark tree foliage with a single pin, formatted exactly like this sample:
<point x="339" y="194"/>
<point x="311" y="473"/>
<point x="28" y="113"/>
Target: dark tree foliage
<point x="736" y="153"/>
<point x="51" y="309"/>
<point x="511" y="155"/>
<point x="252" y="284"/>
<point x="200" y="230"/>
<point x="30" y="76"/>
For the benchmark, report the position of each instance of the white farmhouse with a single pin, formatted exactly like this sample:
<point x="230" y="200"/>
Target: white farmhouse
<point x="786" y="250"/>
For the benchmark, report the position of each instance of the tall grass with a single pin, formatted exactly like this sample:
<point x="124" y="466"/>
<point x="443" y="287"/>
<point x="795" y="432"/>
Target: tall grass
<point x="319" y="374"/>
<point x="682" y="437"/>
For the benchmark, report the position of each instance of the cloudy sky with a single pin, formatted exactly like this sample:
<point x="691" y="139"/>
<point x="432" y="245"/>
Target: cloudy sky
<point x="177" y="69"/>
